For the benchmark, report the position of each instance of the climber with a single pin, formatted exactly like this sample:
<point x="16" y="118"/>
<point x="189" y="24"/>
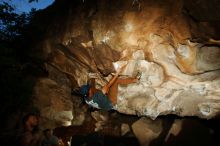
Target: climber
<point x="105" y="98"/>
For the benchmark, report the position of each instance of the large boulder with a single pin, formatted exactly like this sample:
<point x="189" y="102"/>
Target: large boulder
<point x="160" y="39"/>
<point x="147" y="130"/>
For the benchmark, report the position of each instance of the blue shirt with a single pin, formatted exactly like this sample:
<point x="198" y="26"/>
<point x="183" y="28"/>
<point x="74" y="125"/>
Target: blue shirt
<point x="100" y="101"/>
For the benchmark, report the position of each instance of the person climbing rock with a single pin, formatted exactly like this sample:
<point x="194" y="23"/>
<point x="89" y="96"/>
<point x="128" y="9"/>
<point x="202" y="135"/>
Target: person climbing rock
<point x="105" y="98"/>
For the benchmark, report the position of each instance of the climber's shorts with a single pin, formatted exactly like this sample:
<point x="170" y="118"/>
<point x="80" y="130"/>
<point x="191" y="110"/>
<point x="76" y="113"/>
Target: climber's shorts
<point x="100" y="101"/>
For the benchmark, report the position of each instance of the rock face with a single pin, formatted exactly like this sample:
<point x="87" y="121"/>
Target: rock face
<point x="53" y="102"/>
<point x="174" y="48"/>
<point x="165" y="89"/>
<point x="147" y="130"/>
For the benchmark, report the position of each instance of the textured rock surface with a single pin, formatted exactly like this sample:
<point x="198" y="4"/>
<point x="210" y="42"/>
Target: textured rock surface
<point x="147" y="130"/>
<point x="124" y="129"/>
<point x="164" y="88"/>
<point x="54" y="104"/>
<point x="171" y="44"/>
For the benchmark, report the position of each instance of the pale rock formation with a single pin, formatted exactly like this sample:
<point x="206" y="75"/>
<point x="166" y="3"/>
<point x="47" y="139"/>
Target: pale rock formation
<point x="124" y="129"/>
<point x="147" y="130"/>
<point x="175" y="129"/>
<point x="165" y="88"/>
